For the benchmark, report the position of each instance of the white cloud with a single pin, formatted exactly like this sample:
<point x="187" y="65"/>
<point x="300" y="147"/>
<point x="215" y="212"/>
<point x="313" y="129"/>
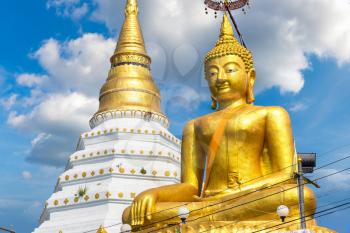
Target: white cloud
<point x="15" y="120"/>
<point x="185" y="58"/>
<point x="57" y="121"/>
<point x="6" y="203"/>
<point x="287" y="32"/>
<point x="106" y="12"/>
<point x="280" y="33"/>
<point x="61" y="102"/>
<point x="9" y="102"/>
<point x="80" y="65"/>
<point x="74" y="9"/>
<point x="30" y="80"/>
<point x="35" y="97"/>
<point x="34" y="207"/>
<point x="159" y="60"/>
<point x="39" y="138"/>
<point x="57" y="113"/>
<point x="339" y="181"/>
<point x="27" y="175"/>
<point x="298" y="107"/>
<point x="177" y="96"/>
<point x="80" y="11"/>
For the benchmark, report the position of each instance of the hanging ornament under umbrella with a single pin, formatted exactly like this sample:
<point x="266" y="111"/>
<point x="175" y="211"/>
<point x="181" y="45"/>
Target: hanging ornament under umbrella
<point x="221" y="5"/>
<point x="228" y="6"/>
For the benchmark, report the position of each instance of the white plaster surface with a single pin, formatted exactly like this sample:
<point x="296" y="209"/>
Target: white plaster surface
<point x="119" y="158"/>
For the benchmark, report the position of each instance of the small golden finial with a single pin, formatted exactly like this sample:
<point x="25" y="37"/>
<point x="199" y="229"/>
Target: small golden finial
<point x="101" y="230"/>
<point x="131" y="8"/>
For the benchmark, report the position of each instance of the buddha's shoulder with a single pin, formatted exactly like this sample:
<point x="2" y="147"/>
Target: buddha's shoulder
<point x="190" y="125"/>
<point x="260" y="111"/>
<point x="205" y="118"/>
<point x="269" y="111"/>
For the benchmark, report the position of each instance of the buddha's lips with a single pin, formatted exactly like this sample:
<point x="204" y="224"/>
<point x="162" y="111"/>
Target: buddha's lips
<point x="222" y="87"/>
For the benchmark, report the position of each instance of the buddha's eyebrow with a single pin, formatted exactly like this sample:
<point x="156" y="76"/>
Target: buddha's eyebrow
<point x="234" y="63"/>
<point x="213" y="67"/>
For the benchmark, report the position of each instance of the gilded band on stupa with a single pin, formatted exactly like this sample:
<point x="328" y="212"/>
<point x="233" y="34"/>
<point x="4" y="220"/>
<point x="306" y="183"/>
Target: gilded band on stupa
<point x="238" y="163"/>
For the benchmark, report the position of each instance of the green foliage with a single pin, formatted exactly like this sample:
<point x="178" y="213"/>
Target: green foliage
<point x="82" y="191"/>
<point x="143" y="171"/>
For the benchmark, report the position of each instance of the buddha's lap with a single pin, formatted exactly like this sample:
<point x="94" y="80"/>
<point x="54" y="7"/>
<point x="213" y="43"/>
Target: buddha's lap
<point x="247" y="205"/>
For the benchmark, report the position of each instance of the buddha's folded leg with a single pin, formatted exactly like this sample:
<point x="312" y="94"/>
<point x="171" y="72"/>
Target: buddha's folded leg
<point x="251" y="206"/>
<point x="261" y="205"/>
<point x="164" y="213"/>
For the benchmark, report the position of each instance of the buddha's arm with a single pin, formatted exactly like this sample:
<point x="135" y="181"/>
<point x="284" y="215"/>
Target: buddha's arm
<point x="280" y="144"/>
<point x="144" y="204"/>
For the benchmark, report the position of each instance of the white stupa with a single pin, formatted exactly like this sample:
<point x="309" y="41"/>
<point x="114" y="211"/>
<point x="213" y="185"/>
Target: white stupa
<point x="128" y="149"/>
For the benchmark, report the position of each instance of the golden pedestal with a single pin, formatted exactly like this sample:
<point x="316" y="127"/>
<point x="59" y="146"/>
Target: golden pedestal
<point x="239" y="227"/>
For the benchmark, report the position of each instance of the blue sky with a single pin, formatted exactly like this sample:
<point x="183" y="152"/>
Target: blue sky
<point x="54" y="58"/>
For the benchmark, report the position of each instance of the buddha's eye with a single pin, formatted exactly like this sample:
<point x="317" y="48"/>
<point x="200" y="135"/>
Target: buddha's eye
<point x="231" y="70"/>
<point x="212" y="73"/>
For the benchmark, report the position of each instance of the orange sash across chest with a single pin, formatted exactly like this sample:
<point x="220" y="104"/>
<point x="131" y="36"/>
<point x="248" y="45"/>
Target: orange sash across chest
<point x="214" y="145"/>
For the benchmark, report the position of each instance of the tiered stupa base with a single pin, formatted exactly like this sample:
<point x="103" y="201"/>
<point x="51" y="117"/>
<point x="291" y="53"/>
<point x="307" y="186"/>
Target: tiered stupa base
<point x="240" y="227"/>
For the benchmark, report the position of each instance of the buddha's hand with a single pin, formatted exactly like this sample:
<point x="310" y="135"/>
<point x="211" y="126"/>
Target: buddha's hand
<point x="143" y="207"/>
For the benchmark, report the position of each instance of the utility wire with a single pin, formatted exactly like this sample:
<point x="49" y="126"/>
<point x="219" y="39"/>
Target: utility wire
<point x="334" y="149"/>
<point x="331" y="163"/>
<point x="223" y="210"/>
<point x="254" y="192"/>
<point x="323" y="166"/>
<point x="319" y="207"/>
<point x="331" y="203"/>
<point x="4" y="229"/>
<point x="310" y="215"/>
<point x="182" y="205"/>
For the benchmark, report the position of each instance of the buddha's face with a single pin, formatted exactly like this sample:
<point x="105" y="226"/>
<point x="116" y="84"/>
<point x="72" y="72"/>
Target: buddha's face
<point x="228" y="78"/>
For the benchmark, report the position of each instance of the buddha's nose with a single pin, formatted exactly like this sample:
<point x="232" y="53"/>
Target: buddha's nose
<point x="221" y="76"/>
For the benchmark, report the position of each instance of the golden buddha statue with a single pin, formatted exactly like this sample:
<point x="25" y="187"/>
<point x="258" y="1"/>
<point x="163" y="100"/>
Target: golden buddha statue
<point x="237" y="162"/>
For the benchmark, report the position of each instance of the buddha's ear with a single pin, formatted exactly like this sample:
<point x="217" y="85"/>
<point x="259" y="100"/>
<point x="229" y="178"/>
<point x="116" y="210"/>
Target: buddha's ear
<point x="214" y="103"/>
<point x="250" y="88"/>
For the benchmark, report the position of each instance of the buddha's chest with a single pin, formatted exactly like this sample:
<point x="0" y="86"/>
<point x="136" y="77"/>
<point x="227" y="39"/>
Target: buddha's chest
<point x="238" y="129"/>
<point x="237" y="143"/>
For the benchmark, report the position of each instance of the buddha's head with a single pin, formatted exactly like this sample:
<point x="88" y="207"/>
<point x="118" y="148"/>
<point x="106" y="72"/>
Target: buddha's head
<point x="229" y="68"/>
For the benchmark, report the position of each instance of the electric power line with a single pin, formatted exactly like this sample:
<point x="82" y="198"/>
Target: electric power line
<point x="331" y="163"/>
<point x="4" y="229"/>
<point x="182" y="205"/>
<point x="310" y="215"/>
<point x="323" y="166"/>
<point x="331" y="203"/>
<point x="257" y="191"/>
<point x="223" y="210"/>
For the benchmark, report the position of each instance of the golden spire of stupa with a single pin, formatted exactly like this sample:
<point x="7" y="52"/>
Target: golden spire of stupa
<point x="130" y="38"/>
<point x="101" y="230"/>
<point x="130" y="85"/>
